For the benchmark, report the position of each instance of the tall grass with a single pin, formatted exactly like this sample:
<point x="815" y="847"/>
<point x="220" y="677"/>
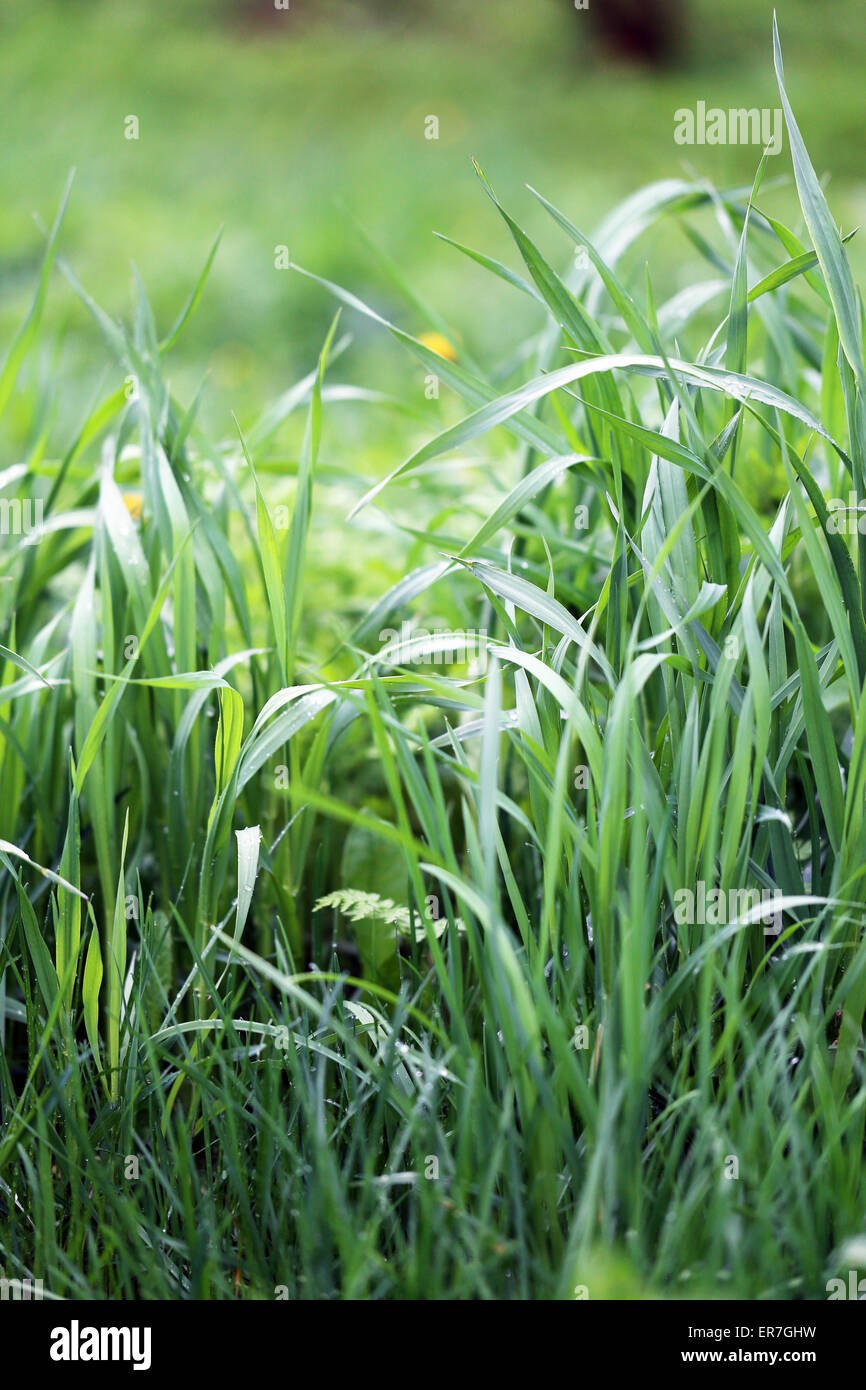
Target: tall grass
<point x="371" y="974"/>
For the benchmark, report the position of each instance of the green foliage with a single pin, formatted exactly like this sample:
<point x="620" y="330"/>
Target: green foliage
<point x="493" y="969"/>
<point x="369" y="907"/>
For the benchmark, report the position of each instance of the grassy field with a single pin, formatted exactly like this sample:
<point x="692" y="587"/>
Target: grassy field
<point x="309" y="132"/>
<point x="433" y="764"/>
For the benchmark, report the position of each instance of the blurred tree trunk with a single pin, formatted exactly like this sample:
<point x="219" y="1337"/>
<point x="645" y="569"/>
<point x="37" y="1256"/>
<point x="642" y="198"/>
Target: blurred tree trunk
<point x="648" y="31"/>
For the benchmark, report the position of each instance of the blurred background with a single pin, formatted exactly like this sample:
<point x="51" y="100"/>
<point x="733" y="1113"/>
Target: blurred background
<point x="305" y="127"/>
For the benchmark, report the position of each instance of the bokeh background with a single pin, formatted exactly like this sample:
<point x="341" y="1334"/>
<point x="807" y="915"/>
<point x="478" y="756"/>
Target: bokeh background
<point x="305" y="127"/>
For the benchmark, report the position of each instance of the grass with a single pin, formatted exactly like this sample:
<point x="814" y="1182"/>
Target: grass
<point x="282" y="134"/>
<point x="340" y="961"/>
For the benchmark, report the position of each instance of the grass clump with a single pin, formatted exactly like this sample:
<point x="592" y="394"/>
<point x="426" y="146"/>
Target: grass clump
<point x="530" y="970"/>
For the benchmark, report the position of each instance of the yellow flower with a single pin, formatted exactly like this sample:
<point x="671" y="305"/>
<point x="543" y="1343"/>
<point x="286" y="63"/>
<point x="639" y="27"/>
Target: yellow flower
<point x="133" y="504"/>
<point x="439" y="344"/>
